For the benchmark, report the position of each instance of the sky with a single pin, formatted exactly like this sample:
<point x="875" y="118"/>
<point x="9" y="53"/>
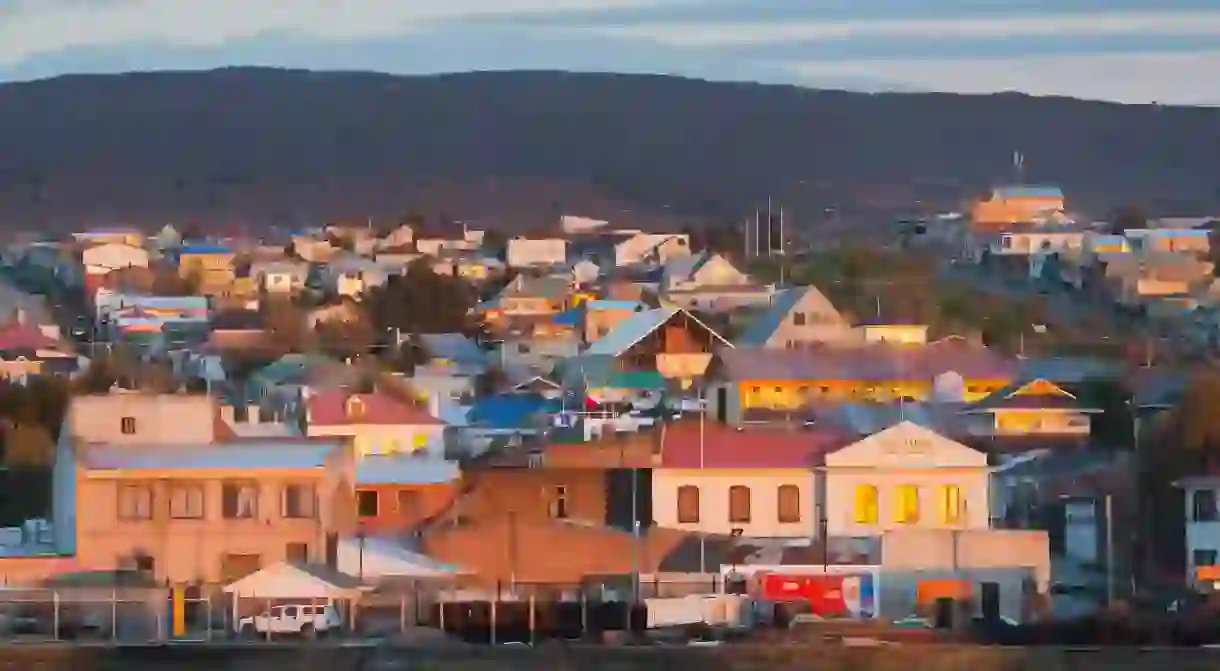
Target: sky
<point x="1135" y="51"/>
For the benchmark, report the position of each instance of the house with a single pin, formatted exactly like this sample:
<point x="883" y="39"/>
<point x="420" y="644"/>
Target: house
<point x="709" y="282"/>
<point x="280" y="277"/>
<point x="797" y="317"/>
<point x="1018" y="204"/>
<point x="210" y="513"/>
<point x="1024" y="241"/>
<point x="281" y="386"/>
<point x="133" y="418"/>
<point x="395" y="493"/>
<point x="1202" y="515"/>
<point x="101" y="260"/>
<point x="600" y="377"/>
<point x="904" y="477"/>
<point x="25" y="350"/>
<point x="760" y="379"/>
<point x="1193" y="241"/>
<point x="209" y="264"/>
<point x="757" y="482"/>
<point x="375" y="423"/>
<point x="526" y="297"/>
<point x="1034" y="408"/>
<point x="591" y="499"/>
<point x="889" y="332"/>
<point x="400" y="237"/>
<point x="594" y="318"/>
<point x="669" y="340"/>
<point x="352" y="276"/>
<point x="452" y="352"/>
<point x="524" y="252"/>
<point x="656" y="248"/>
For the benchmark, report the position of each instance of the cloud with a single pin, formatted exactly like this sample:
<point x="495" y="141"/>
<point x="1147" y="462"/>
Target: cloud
<point x="38" y="27"/>
<point x="1168" y="78"/>
<point x="693" y="34"/>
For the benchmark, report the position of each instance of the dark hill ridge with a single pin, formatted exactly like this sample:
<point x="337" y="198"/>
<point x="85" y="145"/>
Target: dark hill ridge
<point x="259" y="145"/>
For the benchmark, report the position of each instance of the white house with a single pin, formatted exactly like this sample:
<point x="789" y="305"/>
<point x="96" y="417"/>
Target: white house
<point x="524" y="252"/>
<point x="905" y="477"/>
<point x="1202" y="528"/>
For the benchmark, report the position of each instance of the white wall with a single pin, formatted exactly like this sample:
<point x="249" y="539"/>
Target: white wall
<point x="714" y="500"/>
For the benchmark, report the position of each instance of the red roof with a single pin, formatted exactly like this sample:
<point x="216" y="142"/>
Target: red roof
<point x="21" y="336"/>
<point x="748" y="447"/>
<point x="342" y="408"/>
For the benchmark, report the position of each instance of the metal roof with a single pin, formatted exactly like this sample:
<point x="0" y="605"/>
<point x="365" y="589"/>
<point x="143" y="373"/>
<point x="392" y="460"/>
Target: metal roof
<point x="257" y="454"/>
<point x="1029" y="192"/>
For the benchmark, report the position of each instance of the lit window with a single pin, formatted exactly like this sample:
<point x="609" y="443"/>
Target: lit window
<point x="950" y="504"/>
<point x="866" y="504"/>
<point x="908" y="504"/>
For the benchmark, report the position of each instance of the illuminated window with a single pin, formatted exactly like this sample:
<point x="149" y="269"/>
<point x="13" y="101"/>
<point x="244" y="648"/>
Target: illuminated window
<point x="866" y="504"/>
<point x="950" y="504"/>
<point x="908" y="504"/>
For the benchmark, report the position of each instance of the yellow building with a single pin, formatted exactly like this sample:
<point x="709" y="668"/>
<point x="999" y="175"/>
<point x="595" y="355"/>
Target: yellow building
<point x="768" y="379"/>
<point x="211" y="265"/>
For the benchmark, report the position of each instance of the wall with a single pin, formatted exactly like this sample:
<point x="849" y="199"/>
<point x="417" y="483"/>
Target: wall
<point x="931" y="549"/>
<point x="193" y="549"/>
<point x="431" y="499"/>
<point x="160" y="418"/>
<point x="528" y="493"/>
<point x="841" y="495"/>
<point x="714" y="501"/>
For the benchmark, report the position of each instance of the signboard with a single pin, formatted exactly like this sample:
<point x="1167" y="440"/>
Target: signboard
<point x="847" y="595"/>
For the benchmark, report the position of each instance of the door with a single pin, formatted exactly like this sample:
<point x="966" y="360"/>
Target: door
<point x="722" y="402"/>
<point x="990" y="597"/>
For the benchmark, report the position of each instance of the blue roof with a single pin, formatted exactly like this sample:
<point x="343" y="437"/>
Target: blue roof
<point x="172" y="302"/>
<point x="762" y="330"/>
<point x="508" y="411"/>
<point x="569" y="317"/>
<point x="1029" y="192"/>
<point x="606" y="304"/>
<point x="632" y="329"/>
<point x="205" y="248"/>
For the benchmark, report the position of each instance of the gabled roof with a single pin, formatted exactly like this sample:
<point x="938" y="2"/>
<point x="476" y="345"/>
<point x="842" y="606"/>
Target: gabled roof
<point x="405" y="469"/>
<point x="452" y="347"/>
<point x="782" y="304"/>
<point x="25" y="337"/>
<point x="340" y="408"/>
<point x="634" y="328"/>
<point x="601" y="371"/>
<point x="1037" y="394"/>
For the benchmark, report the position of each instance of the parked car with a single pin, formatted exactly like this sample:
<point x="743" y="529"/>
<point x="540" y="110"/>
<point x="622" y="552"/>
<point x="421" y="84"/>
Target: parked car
<point x="303" y="619"/>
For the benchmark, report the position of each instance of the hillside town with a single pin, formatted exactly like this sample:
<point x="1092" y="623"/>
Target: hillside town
<point x="1003" y="414"/>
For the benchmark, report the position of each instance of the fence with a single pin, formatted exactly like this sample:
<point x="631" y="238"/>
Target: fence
<point x="468" y="609"/>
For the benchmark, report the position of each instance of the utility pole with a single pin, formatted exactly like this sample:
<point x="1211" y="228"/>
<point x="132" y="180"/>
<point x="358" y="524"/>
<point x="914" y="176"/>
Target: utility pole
<point x="768" y="226"/>
<point x="1109" y="549"/>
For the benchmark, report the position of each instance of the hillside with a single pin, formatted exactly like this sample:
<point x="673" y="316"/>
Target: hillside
<point x="257" y="146"/>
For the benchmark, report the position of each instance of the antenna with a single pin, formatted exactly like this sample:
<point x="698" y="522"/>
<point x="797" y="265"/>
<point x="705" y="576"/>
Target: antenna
<point x="1018" y="165"/>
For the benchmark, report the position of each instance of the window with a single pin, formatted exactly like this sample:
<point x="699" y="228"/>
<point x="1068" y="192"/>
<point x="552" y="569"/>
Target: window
<point x="523" y="348"/>
<point x="186" y="502"/>
<point x="1006" y="242"/>
<point x="419" y="441"/>
<point x="299" y="502"/>
<point x="128" y="426"/>
<point x="907" y="511"/>
<point x="366" y="503"/>
<point x="297" y="553"/>
<point x="788" y="504"/>
<point x="239" y="500"/>
<point x="409" y="503"/>
<point x="949" y="500"/>
<point x="1203" y="558"/>
<point x="739" y="503"/>
<point x="798" y="319"/>
<point x="135" y="502"/>
<point x="559" y="502"/>
<point x="688" y="504"/>
<point x="1203" y="503"/>
<point x="354" y="408"/>
<point x="866" y="504"/>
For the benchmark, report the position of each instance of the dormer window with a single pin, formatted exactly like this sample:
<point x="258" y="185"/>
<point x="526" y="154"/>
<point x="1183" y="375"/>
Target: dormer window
<point x="354" y="407"/>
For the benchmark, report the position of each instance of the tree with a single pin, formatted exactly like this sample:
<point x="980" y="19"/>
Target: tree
<point x="1195" y="422"/>
<point x="422" y="301"/>
<point x="1126" y="218"/>
<point x="488" y="382"/>
<point x="345" y="340"/>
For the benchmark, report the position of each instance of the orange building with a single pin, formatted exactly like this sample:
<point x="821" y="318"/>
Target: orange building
<point x="1018" y="205"/>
